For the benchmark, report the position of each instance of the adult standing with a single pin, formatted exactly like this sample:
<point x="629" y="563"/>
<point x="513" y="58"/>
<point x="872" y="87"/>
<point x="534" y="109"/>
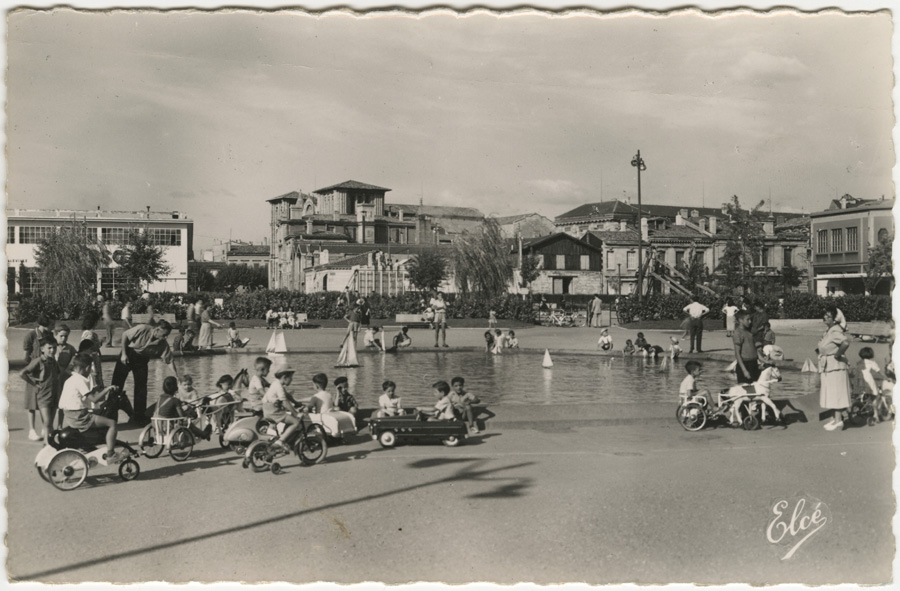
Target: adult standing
<point x="696" y="311"/>
<point x="440" y="318"/>
<point x="365" y="312"/>
<point x="206" y="328"/>
<point x="729" y="309"/>
<point x="746" y="355"/>
<point x="758" y="322"/>
<point x="140" y="344"/>
<point x="192" y="315"/>
<point x="834" y="389"/>
<point x="108" y="322"/>
<point x="126" y="314"/>
<point x="596" y="311"/>
<point x="353" y="318"/>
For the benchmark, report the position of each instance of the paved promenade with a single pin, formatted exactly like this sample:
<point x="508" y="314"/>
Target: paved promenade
<point x="580" y="492"/>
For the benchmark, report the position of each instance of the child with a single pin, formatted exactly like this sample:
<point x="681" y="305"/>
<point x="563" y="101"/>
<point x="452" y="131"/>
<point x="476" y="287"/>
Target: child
<point x="322" y="400"/>
<point x="511" y="341"/>
<point x="74" y="402"/>
<point x="629" y="347"/>
<point x="488" y="341"/>
<point x="389" y="402"/>
<point x="223" y="396"/>
<point x="234" y="338"/>
<point x="92" y="350"/>
<point x="499" y="341"/>
<point x="258" y="385"/>
<point x="178" y="343"/>
<point x="271" y="319"/>
<point x="641" y="344"/>
<point x="605" y="343"/>
<point x="674" y="348"/>
<point x="278" y="405"/>
<point x="443" y="410"/>
<point x="370" y="338"/>
<point x="170" y="407"/>
<point x="492" y="319"/>
<point x="186" y="389"/>
<point x="291" y="319"/>
<point x="345" y="400"/>
<point x="42" y="374"/>
<point x="429" y="317"/>
<point x="462" y="402"/>
<point x="401" y="339"/>
<point x="768" y="335"/>
<point x="688" y="388"/>
<point x="64" y="351"/>
<point x="869" y="370"/>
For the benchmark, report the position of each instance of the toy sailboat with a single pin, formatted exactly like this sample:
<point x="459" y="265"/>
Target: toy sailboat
<point x="547" y="361"/>
<point x="347" y="357"/>
<point x="809" y="367"/>
<point x="665" y="364"/>
<point x="732" y="367"/>
<point x="276" y="344"/>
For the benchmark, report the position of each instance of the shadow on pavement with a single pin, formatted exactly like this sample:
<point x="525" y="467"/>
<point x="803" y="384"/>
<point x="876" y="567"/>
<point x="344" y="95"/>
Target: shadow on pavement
<point x="469" y="472"/>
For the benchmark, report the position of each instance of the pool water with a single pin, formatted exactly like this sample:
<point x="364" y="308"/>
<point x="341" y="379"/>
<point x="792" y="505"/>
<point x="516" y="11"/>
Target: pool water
<point x="515" y="378"/>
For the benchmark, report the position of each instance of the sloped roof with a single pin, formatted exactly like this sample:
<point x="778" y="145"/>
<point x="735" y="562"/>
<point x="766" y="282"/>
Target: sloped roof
<point x="679" y="233"/>
<point x="291" y="197"/>
<point x="511" y="219"/>
<point x="609" y="209"/>
<point x="880" y="204"/>
<point x="614" y="236"/>
<point x="330" y="236"/>
<point x="435" y="210"/>
<point x="248" y="250"/>
<point x="350" y="185"/>
<point x="596" y="210"/>
<point x="539" y="241"/>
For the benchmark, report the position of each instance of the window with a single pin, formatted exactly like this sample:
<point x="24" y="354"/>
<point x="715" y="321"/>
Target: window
<point x="761" y="259"/>
<point x="29" y="280"/>
<point x="631" y="260"/>
<point x="10" y="235"/>
<point x="34" y="234"/>
<point x="585" y="262"/>
<point x="165" y="236"/>
<point x="679" y="258"/>
<point x="822" y="241"/>
<point x="114" y="235"/>
<point x="837" y="240"/>
<point x="853" y="239"/>
<point x="560" y="261"/>
<point x="788" y="256"/>
<point x="610" y="259"/>
<point x="561" y="284"/>
<point x="113" y="278"/>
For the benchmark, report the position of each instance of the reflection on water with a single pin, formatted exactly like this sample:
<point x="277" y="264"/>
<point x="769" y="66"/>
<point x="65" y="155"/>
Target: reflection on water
<point x="516" y="378"/>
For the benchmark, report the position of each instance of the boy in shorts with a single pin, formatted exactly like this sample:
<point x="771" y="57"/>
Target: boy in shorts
<point x="462" y="402"/>
<point x="74" y="402"/>
<point x="278" y="405"/>
<point x="688" y="387"/>
<point x="42" y="375"/>
<point x="170" y="407"/>
<point x="258" y="384"/>
<point x="443" y="409"/>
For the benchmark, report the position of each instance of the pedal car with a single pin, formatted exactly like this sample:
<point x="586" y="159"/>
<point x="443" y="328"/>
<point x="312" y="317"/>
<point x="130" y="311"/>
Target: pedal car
<point x="70" y="454"/>
<point x="335" y="425"/>
<point x="389" y="430"/>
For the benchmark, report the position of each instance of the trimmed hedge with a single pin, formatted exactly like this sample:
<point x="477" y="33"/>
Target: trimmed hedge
<point x="322" y="306"/>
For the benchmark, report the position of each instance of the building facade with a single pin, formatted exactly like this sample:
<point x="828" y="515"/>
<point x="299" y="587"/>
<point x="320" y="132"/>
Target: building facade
<point x="526" y="225"/>
<point x="841" y="238"/>
<point x="347" y="219"/>
<point x="567" y="265"/>
<point x="27" y="228"/>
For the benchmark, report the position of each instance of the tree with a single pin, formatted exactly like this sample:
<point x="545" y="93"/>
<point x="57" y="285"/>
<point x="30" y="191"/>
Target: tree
<point x="694" y="270"/>
<point x="69" y="261"/>
<point x="230" y="277"/>
<point x="530" y="269"/>
<point x="142" y="260"/>
<point x="791" y="277"/>
<point x="482" y="262"/>
<point x="744" y="232"/>
<point x="427" y="270"/>
<point x="880" y="264"/>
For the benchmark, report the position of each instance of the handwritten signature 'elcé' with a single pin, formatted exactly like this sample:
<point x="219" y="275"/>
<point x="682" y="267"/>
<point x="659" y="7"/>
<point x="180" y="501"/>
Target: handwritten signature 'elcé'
<point x="784" y="530"/>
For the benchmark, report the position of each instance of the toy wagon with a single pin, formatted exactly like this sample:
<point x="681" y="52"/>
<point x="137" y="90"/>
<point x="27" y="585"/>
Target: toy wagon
<point x="389" y="431"/>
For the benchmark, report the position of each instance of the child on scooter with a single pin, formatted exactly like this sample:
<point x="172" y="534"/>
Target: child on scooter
<point x="170" y="407"/>
<point x="278" y="405"/>
<point x="258" y="385"/>
<point x="389" y="402"/>
<point x="74" y="402"/>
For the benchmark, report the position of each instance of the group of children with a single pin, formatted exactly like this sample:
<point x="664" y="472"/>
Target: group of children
<point x="184" y="340"/>
<point x="640" y="346"/>
<point x="453" y="402"/>
<point x="495" y="341"/>
<point x="282" y="319"/>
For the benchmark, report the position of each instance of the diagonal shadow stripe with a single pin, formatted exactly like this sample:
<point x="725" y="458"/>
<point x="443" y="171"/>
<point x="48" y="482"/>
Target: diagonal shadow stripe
<point x="465" y="473"/>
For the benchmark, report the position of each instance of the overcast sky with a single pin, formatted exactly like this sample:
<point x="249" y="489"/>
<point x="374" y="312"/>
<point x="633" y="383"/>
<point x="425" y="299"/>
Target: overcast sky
<point x="213" y="113"/>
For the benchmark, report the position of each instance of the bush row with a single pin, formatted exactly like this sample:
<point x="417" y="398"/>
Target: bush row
<point x="322" y="306"/>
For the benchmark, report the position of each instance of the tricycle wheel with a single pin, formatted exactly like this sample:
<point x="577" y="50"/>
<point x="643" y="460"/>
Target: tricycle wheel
<point x="222" y="443"/>
<point x="691" y="416"/>
<point x="42" y="474"/>
<point x="750" y="423"/>
<point x="871" y="422"/>
<point x="238" y="448"/>
<point x="312" y="448"/>
<point x="67" y="470"/>
<point x="276" y="468"/>
<point x="258" y="456"/>
<point x="150" y="442"/>
<point x="452" y="441"/>
<point x="387" y="439"/>
<point x="129" y="470"/>
<point x="181" y="444"/>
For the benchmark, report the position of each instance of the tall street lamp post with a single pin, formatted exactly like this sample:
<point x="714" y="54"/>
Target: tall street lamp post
<point x="638" y="163"/>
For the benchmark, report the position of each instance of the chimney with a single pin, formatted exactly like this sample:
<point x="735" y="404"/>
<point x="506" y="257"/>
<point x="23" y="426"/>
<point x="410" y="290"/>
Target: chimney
<point x="679" y="219"/>
<point x="702" y="222"/>
<point x="323" y="257"/>
<point x="174" y="215"/>
<point x="370" y="259"/>
<point x="712" y="224"/>
<point x="361" y="218"/>
<point x="645" y="230"/>
<point x="309" y="226"/>
<point x="769" y="227"/>
<point x="400" y="215"/>
<point x="623" y="226"/>
<point x="683" y="213"/>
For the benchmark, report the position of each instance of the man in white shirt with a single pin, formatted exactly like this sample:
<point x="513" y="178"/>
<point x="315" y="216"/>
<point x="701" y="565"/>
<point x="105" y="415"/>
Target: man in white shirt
<point x="696" y="311"/>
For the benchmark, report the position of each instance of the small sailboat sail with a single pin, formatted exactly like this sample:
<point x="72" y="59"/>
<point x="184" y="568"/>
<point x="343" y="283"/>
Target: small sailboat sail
<point x="547" y="361"/>
<point x="347" y="357"/>
<point x="276" y="343"/>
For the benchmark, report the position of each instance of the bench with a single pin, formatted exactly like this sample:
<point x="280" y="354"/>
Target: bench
<point x="412" y="320"/>
<point x="870" y="331"/>
<point x="144" y="318"/>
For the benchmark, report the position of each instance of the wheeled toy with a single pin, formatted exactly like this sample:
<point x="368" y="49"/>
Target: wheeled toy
<point x="388" y="431"/>
<point x="172" y="435"/>
<point x="69" y="455"/>
<point x="694" y="412"/>
<point x="245" y="430"/>
<point x="868" y="409"/>
<point x="307" y="442"/>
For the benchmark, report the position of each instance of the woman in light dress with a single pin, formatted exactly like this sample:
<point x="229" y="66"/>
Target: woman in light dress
<point x="834" y="392"/>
